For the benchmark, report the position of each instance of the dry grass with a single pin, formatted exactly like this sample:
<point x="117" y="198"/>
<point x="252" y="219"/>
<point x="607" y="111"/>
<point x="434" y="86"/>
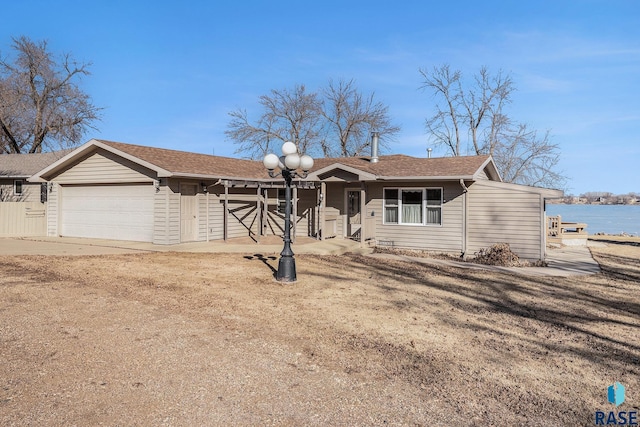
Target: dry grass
<point x="212" y="339"/>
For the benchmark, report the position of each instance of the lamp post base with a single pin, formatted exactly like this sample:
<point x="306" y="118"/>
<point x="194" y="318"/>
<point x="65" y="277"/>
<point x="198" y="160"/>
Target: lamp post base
<point x="286" y="269"/>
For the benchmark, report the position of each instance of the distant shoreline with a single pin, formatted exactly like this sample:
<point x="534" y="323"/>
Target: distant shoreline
<point x="565" y="202"/>
<point x="614" y="237"/>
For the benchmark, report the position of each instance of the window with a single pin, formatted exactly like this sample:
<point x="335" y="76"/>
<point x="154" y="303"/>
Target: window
<point x="17" y="187"/>
<point x="390" y="206"/>
<point x="413" y="206"/>
<point x="434" y="206"/>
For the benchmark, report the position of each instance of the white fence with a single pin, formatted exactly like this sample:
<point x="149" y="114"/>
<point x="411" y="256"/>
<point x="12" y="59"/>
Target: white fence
<point x="22" y="219"/>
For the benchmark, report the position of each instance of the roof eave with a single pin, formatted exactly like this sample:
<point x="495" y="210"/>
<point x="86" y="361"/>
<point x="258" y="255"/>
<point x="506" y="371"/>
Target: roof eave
<point x="428" y="178"/>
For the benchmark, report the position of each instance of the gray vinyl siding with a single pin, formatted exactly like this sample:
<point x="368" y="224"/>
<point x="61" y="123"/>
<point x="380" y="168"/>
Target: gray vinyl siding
<point x="504" y="213"/>
<point x="445" y="238"/>
<point x="307" y="219"/>
<point x="216" y="217"/>
<point x="104" y="167"/>
<point x="166" y="225"/>
<point x="335" y="199"/>
<point x="30" y="190"/>
<point x="482" y="175"/>
<point x="52" y="210"/>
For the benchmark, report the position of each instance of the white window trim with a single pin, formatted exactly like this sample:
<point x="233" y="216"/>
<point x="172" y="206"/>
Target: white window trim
<point x="15" y="186"/>
<point x="424" y="206"/>
<point x="434" y="206"/>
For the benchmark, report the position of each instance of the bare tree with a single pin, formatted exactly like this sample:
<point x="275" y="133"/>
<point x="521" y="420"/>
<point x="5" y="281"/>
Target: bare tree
<point x="41" y="106"/>
<point x="287" y="116"/>
<point x="474" y="122"/>
<point x="527" y="158"/>
<point x="337" y="121"/>
<point x="444" y="125"/>
<point x="351" y="116"/>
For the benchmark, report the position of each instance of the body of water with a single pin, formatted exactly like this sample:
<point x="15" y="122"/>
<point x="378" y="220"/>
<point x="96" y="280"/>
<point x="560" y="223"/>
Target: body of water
<point x="609" y="219"/>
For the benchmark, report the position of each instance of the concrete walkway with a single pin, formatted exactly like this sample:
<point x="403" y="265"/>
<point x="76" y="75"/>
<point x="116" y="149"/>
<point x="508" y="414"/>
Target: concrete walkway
<point x="562" y="262"/>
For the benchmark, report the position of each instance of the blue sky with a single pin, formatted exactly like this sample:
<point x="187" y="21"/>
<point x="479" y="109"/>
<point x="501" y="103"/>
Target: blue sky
<point x="168" y="72"/>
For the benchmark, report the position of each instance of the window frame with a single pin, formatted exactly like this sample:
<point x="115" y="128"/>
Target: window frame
<point x="427" y="206"/>
<point x="388" y="203"/>
<point x="18" y="183"/>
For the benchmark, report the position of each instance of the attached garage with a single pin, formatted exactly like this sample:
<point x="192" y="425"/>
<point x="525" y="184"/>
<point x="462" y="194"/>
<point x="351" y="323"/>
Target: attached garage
<point x="119" y="212"/>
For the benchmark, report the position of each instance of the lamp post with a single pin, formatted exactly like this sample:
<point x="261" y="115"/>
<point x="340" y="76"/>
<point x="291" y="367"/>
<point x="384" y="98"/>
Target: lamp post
<point x="288" y="163"/>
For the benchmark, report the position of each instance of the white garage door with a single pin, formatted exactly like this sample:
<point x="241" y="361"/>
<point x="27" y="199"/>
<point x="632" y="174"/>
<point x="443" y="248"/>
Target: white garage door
<point x="119" y="212"/>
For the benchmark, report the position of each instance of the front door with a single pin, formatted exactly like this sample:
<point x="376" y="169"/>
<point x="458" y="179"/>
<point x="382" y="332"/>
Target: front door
<point x="353" y="214"/>
<point x="188" y="212"/>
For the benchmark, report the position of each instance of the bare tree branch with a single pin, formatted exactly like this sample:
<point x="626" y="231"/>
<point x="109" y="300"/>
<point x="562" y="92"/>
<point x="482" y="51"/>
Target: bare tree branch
<point x="339" y="124"/>
<point x="520" y="154"/>
<point x="443" y="126"/>
<point x="41" y="106"/>
<point x="351" y="117"/>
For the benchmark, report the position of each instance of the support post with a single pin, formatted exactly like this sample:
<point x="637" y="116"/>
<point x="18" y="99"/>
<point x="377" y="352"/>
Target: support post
<point x="258" y="214"/>
<point x="323" y="205"/>
<point x="265" y="211"/>
<point x="226" y="209"/>
<point x="363" y="213"/>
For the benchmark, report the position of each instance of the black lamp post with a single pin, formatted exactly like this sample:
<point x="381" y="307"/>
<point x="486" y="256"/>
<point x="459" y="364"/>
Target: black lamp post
<point x="288" y="163"/>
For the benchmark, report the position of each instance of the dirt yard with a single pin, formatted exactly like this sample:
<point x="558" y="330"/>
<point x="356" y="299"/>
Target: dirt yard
<point x="211" y="339"/>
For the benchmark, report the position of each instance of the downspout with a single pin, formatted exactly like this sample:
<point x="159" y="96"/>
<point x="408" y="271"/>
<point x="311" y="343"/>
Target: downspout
<point x="207" y="203"/>
<point x="465" y="211"/>
<point x="543" y="228"/>
<point x="363" y="216"/>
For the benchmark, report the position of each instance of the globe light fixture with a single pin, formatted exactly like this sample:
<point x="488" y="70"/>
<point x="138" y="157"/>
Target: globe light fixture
<point x="288" y="164"/>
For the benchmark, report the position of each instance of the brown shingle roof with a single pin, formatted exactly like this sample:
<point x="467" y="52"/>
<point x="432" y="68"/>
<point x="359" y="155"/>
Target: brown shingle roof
<point x="405" y="166"/>
<point x="25" y="165"/>
<point x="181" y="162"/>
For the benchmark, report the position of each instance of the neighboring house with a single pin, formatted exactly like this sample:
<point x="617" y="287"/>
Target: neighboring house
<point x="15" y="169"/>
<point x="457" y="204"/>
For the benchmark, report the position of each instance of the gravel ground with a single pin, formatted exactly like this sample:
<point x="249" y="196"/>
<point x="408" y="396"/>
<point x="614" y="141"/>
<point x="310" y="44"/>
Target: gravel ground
<point x="211" y="339"/>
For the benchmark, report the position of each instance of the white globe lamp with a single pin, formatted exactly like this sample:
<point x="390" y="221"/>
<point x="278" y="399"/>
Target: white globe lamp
<point x="292" y="161"/>
<point x="271" y="161"/>
<point x="289" y="148"/>
<point x="306" y="163"/>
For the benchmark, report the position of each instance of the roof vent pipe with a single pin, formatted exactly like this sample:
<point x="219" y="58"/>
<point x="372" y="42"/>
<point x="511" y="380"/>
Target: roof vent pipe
<point x="374" y="147"/>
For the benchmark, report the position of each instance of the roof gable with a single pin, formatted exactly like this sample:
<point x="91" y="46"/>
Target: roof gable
<point x="406" y="167"/>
